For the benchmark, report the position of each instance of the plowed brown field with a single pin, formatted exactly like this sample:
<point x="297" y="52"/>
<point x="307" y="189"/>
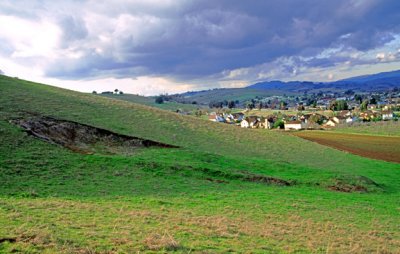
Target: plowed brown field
<point x="375" y="147"/>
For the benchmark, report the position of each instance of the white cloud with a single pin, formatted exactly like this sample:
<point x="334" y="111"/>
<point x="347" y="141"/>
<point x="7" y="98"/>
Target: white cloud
<point x="30" y="38"/>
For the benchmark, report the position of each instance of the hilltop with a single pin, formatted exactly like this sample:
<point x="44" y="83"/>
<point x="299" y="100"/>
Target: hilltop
<point x="205" y="187"/>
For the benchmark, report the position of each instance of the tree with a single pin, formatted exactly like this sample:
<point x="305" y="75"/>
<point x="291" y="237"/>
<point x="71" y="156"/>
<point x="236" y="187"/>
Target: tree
<point x="358" y="97"/>
<point x="231" y="104"/>
<point x="216" y="104"/>
<point x="282" y="105"/>
<point x="364" y="105"/>
<point x="314" y="104"/>
<point x="316" y="119"/>
<point x="300" y="107"/>
<point x="120" y="92"/>
<point x="279" y="124"/>
<point x="116" y="91"/>
<point x="342" y="105"/>
<point x="159" y="100"/>
<point x="338" y="105"/>
<point x="349" y="92"/>
<point x="94" y="92"/>
<point x="250" y="105"/>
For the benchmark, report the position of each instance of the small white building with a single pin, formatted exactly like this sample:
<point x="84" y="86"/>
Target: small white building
<point x="294" y="125"/>
<point x="250" y="122"/>
<point x="387" y="115"/>
<point x="216" y="118"/>
<point x="244" y="124"/>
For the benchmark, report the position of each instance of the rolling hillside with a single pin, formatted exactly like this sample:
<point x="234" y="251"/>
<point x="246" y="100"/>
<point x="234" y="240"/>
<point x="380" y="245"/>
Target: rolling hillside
<point x="150" y="101"/>
<point x="224" y="189"/>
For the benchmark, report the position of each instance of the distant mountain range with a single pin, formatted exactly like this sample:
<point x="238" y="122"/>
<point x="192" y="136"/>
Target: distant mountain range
<point x="374" y="82"/>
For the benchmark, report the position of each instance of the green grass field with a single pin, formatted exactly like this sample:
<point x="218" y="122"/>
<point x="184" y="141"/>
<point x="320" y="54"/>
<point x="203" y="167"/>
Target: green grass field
<point x="206" y="197"/>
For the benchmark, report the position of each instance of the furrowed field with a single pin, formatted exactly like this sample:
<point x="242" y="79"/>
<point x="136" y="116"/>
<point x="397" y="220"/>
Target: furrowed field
<point x="225" y="189"/>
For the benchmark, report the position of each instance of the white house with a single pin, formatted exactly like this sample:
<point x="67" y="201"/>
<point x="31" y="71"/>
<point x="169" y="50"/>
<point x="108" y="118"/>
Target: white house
<point x="237" y="117"/>
<point x="349" y="120"/>
<point x="244" y="124"/>
<point x="387" y="115"/>
<point x="339" y="119"/>
<point x="269" y="123"/>
<point x="331" y="123"/>
<point x="294" y="125"/>
<point x="249" y="122"/>
<point x="216" y="118"/>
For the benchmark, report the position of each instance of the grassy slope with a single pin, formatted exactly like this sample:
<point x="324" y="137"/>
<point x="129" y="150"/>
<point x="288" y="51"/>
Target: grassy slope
<point x="55" y="199"/>
<point x="149" y="101"/>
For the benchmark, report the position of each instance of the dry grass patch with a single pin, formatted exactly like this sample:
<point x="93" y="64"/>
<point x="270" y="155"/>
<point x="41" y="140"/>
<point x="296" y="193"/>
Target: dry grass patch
<point x="164" y="241"/>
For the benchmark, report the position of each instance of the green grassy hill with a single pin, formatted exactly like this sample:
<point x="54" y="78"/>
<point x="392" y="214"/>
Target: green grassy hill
<point x="214" y="194"/>
<point x="150" y="101"/>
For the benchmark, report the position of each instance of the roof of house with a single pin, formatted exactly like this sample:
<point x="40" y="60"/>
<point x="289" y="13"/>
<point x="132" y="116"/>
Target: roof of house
<point x="293" y="122"/>
<point x="238" y="114"/>
<point x="251" y="119"/>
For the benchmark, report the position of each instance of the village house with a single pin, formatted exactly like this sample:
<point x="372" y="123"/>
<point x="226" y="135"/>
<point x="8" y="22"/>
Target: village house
<point x="216" y="118"/>
<point x="245" y="123"/>
<point x="368" y="115"/>
<point x="294" y="125"/>
<point x="251" y="122"/>
<point x="269" y="122"/>
<point x="237" y="117"/>
<point x="351" y="119"/>
<point x="345" y="113"/>
<point x="339" y="119"/>
<point x="387" y="115"/>
<point x="330" y="123"/>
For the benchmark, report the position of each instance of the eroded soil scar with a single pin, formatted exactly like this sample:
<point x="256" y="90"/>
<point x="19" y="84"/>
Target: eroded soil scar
<point x="81" y="137"/>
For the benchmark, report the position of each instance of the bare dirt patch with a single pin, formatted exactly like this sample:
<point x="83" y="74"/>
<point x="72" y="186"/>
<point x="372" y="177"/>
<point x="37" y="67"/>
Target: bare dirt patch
<point x="375" y="147"/>
<point x="359" y="184"/>
<point x="83" y="138"/>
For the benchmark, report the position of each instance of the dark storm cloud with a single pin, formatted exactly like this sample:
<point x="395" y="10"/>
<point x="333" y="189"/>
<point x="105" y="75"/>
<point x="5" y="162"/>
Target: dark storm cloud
<point x="190" y="39"/>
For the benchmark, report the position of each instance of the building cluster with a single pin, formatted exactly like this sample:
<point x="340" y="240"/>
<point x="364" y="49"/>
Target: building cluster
<point x="301" y="121"/>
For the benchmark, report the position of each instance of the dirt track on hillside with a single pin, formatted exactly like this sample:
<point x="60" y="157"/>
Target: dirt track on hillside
<point x="375" y="147"/>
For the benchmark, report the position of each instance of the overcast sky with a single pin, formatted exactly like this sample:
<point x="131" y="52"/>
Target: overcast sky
<point x="151" y="47"/>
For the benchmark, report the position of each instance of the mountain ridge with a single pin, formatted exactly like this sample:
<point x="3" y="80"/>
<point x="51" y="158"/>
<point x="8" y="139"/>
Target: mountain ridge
<point x="377" y="81"/>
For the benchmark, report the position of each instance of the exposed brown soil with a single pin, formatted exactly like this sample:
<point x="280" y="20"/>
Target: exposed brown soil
<point x="375" y="147"/>
<point x="348" y="188"/>
<point x="266" y="179"/>
<point x="83" y="138"/>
